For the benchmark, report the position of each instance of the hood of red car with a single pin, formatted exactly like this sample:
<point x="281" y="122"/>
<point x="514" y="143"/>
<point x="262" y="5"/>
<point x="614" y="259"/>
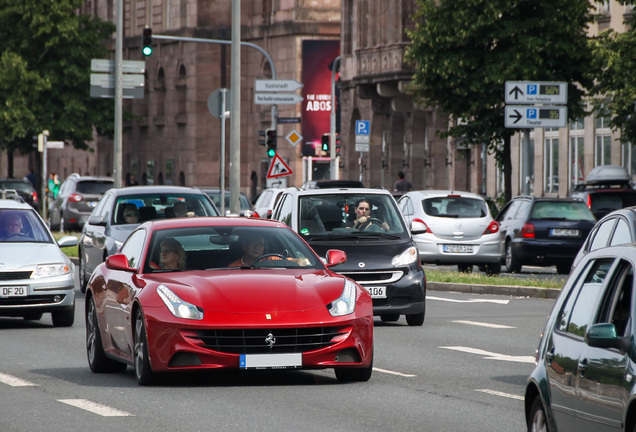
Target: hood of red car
<point x="255" y="291"/>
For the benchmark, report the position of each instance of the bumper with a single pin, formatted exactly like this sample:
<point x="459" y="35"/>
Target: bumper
<point x="44" y="295"/>
<point x="180" y="347"/>
<point x="431" y="250"/>
<point x="544" y="252"/>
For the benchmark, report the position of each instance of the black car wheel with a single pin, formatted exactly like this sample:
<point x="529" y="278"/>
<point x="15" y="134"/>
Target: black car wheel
<point x="512" y="263"/>
<point x="415" y="319"/>
<point x="82" y="273"/>
<point x="492" y="269"/>
<point x="465" y="268"/>
<point x="389" y="317"/>
<point x="537" y="420"/>
<point x="143" y="371"/>
<point x="354" y="374"/>
<point x="97" y="360"/>
<point x="564" y="268"/>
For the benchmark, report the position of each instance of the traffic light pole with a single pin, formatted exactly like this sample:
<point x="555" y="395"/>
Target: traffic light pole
<point x="119" y="68"/>
<point x="332" y="129"/>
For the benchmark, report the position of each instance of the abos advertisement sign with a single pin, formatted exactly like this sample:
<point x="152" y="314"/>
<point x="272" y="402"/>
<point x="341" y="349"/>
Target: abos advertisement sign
<point x="318" y="56"/>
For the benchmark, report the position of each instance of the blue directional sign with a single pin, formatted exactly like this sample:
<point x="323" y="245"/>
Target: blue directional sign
<point x="529" y="92"/>
<point x="362" y="127"/>
<point x="528" y="116"/>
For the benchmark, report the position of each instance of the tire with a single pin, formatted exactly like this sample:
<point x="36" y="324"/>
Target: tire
<point x="354" y="374"/>
<point x="64" y="317"/>
<point x="465" y="268"/>
<point x="564" y="268"/>
<point x="389" y="317"/>
<point x="97" y="360"/>
<point x="492" y="269"/>
<point x="32" y="316"/>
<point x="52" y="225"/>
<point x="83" y="281"/>
<point x="512" y="263"/>
<point x="414" y="320"/>
<point x="143" y="371"/>
<point x="537" y="420"/>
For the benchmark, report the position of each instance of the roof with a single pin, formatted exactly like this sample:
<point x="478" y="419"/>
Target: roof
<point x="351" y="191"/>
<point x="212" y="221"/>
<point x="443" y="193"/>
<point x="154" y="189"/>
<point x="608" y="174"/>
<point x="13" y="204"/>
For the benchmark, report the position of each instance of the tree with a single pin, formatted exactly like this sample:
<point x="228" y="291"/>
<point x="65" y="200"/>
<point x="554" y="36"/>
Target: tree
<point x="465" y="50"/>
<point x="615" y="89"/>
<point x="45" y="82"/>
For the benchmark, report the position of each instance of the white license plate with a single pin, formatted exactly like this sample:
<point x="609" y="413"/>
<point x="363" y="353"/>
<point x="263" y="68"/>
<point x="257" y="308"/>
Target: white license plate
<point x="14" y="291"/>
<point x="270" y="361"/>
<point x="564" y="232"/>
<point x="376" y="291"/>
<point x="458" y="248"/>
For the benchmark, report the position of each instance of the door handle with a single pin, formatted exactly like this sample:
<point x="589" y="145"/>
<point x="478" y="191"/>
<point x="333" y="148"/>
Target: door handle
<point x="550" y="356"/>
<point x="582" y="367"/>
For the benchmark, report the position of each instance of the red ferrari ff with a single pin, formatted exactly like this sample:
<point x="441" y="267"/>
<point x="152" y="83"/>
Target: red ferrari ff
<point x="204" y="293"/>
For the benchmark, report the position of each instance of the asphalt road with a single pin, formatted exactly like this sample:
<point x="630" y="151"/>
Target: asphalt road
<point x="464" y="370"/>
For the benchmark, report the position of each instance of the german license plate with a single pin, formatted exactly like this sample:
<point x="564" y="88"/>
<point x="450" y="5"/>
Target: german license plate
<point x="376" y="291"/>
<point x="458" y="248"/>
<point x="270" y="361"/>
<point x="14" y="291"/>
<point x="564" y="232"/>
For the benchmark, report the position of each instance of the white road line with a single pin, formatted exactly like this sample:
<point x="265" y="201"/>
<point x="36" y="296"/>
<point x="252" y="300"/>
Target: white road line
<point x="14" y="381"/>
<point x="393" y="372"/>
<point x="483" y="324"/>
<point x="491" y="355"/>
<point x="502" y="394"/>
<point x="95" y="408"/>
<point x="503" y="302"/>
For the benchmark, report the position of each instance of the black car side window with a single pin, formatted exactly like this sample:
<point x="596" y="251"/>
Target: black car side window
<point x="578" y="310"/>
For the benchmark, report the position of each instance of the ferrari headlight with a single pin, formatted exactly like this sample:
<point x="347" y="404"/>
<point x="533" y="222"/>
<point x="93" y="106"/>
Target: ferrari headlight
<point x="407" y="257"/>
<point x="178" y="307"/>
<point x="346" y="303"/>
<point x="50" y="270"/>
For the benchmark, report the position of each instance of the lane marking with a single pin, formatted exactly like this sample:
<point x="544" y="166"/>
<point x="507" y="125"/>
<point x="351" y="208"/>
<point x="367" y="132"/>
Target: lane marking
<point x="483" y="324"/>
<point x="393" y="372"/>
<point x="503" y="302"/>
<point x="491" y="355"/>
<point x="14" y="381"/>
<point x="502" y="394"/>
<point x="95" y="408"/>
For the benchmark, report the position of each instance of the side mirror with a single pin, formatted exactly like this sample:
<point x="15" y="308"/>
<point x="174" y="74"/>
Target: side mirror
<point x="335" y="257"/>
<point x="602" y="336"/>
<point x="118" y="262"/>
<point x="98" y="220"/>
<point x="418" y="227"/>
<point x="67" y="241"/>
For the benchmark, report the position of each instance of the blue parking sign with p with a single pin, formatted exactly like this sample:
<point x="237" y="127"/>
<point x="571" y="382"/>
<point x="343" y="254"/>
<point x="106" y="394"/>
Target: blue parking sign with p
<point x="532" y="113"/>
<point x="362" y="127"/>
<point x="532" y="89"/>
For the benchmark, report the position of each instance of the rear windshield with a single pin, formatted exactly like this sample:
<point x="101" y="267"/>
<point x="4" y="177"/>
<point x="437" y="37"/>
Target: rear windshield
<point x="95" y="187"/>
<point x="609" y="201"/>
<point x="556" y="210"/>
<point x="18" y="185"/>
<point x="161" y="206"/>
<point x="455" y="207"/>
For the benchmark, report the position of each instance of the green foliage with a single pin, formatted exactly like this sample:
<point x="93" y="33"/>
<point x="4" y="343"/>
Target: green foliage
<point x="556" y="282"/>
<point x="46" y="52"/>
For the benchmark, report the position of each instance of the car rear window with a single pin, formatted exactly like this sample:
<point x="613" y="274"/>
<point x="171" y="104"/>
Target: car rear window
<point x="609" y="201"/>
<point x="19" y="186"/>
<point x="93" y="187"/>
<point x="455" y="207"/>
<point x="557" y="210"/>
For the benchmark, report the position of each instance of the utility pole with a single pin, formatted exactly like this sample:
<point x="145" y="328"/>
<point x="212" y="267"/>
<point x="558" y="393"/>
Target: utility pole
<point x="235" y="131"/>
<point x="117" y="144"/>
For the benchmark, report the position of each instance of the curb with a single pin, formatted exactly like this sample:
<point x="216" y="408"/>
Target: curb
<point x="509" y="290"/>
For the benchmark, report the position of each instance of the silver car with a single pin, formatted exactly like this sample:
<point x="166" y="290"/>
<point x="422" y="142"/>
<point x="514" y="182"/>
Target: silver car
<point x="460" y="229"/>
<point x="35" y="275"/>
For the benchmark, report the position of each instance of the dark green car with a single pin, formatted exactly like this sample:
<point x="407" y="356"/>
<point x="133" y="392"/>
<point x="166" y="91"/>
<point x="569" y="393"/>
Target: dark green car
<point x="586" y="360"/>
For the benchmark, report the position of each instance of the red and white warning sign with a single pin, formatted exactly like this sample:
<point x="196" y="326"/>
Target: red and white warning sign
<point x="278" y="168"/>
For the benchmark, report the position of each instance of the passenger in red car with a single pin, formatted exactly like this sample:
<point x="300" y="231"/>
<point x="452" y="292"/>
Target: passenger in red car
<point x="172" y="255"/>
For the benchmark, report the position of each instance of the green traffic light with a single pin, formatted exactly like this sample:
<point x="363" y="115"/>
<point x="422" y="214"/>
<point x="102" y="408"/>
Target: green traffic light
<point x="147" y="50"/>
<point x="271" y="152"/>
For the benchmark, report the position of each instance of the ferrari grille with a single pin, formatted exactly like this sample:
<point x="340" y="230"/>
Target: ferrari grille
<point x="259" y="341"/>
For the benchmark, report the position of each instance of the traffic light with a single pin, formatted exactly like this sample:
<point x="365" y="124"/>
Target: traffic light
<point x="146" y="41"/>
<point x="270" y="142"/>
<point x="325" y="142"/>
<point x="337" y="146"/>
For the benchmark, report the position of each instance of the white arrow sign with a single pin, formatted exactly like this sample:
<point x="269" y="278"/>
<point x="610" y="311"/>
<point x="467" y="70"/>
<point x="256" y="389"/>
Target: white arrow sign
<point x="277" y="98"/>
<point x="276" y="85"/>
<point x="108" y="80"/>
<point x="530" y="116"/>
<point x="553" y="92"/>
<point x="128" y="66"/>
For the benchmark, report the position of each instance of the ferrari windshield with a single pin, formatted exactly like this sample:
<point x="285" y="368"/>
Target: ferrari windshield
<point x="349" y="215"/>
<point x="220" y="247"/>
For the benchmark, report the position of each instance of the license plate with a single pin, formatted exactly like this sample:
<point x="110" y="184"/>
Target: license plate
<point x="14" y="291"/>
<point x="458" y="248"/>
<point x="270" y="361"/>
<point x="376" y="291"/>
<point x="564" y="232"/>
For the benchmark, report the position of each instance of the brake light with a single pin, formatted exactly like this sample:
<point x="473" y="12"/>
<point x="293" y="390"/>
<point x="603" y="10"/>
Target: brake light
<point x="75" y="198"/>
<point x="527" y="231"/>
<point x="589" y="201"/>
<point x="255" y="214"/>
<point x="492" y="228"/>
<point x="428" y="230"/>
<point x="34" y="197"/>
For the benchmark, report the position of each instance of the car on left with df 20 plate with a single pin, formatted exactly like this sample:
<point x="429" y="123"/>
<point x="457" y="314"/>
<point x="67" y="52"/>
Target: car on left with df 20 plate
<point x="285" y="310"/>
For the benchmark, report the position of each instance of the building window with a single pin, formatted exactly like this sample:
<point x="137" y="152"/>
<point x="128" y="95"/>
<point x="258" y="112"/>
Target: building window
<point x="603" y="150"/>
<point x="530" y="165"/>
<point x="577" y="125"/>
<point x="150" y="172"/>
<point x="551" y="165"/>
<point x="576" y="167"/>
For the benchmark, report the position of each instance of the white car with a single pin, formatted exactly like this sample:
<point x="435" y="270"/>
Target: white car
<point x="460" y="229"/>
<point x="35" y="275"/>
<point x="265" y="202"/>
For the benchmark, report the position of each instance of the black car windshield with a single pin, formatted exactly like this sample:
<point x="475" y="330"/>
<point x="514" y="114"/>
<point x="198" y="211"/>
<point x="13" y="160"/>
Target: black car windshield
<point x="161" y="206"/>
<point x="340" y="215"/>
<point x="222" y="247"/>
<point x="22" y="226"/>
<point x="562" y="210"/>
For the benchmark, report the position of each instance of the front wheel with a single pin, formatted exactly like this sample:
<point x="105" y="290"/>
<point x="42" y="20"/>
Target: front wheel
<point x="354" y="374"/>
<point x="465" y="268"/>
<point x="415" y="319"/>
<point x="143" y="371"/>
<point x="512" y="263"/>
<point x="64" y="318"/>
<point x="537" y="420"/>
<point x="563" y="268"/>
<point x="492" y="269"/>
